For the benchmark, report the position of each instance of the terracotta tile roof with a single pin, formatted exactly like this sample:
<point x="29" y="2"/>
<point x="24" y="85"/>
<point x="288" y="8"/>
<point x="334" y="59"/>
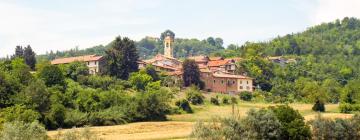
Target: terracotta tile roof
<point x="205" y="70"/>
<point x="217" y="63"/>
<point x="84" y="58"/>
<point x="159" y="57"/>
<point x="165" y="66"/>
<point x="231" y="76"/>
<point x="199" y="58"/>
<point x="174" y="73"/>
<point x="216" y="58"/>
<point x="202" y="66"/>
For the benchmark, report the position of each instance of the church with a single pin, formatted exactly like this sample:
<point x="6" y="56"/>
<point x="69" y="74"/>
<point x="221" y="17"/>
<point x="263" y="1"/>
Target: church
<point x="217" y="73"/>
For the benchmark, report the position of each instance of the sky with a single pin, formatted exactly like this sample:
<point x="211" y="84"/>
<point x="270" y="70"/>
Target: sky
<point x="65" y="24"/>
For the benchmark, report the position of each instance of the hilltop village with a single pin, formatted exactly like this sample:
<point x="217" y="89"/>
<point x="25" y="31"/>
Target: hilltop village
<point x="217" y="73"/>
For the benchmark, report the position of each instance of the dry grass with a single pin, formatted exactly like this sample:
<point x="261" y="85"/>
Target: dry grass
<point x="140" y="131"/>
<point x="207" y="112"/>
<point x="181" y="125"/>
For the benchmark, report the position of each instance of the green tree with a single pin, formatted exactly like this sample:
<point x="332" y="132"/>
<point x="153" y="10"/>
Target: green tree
<point x="76" y="69"/>
<point x="191" y="73"/>
<point x="19" y="52"/>
<point x="29" y="57"/>
<point x="166" y="33"/>
<point x="140" y="79"/>
<point x="293" y="126"/>
<point x="36" y="96"/>
<point x="150" y="70"/>
<point x="20" y="71"/>
<point x="262" y="124"/>
<point x="56" y="116"/>
<point x="121" y="58"/>
<point x="8" y="87"/>
<point x="194" y="96"/>
<point x="333" y="89"/>
<point x="211" y="41"/>
<point x="52" y="75"/>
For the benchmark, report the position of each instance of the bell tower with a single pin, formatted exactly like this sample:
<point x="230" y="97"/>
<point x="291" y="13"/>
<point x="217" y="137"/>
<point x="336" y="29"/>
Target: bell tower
<point x="168" y="46"/>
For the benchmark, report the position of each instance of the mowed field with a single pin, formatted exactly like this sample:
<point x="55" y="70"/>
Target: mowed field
<point x="180" y="126"/>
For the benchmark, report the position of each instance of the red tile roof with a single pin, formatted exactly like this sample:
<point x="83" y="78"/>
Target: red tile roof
<point x="231" y="76"/>
<point x="216" y="58"/>
<point x="217" y="63"/>
<point x="174" y="73"/>
<point x="84" y="58"/>
<point x="199" y="58"/>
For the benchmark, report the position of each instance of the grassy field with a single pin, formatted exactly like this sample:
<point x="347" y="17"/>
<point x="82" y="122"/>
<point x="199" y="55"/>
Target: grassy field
<point x="180" y="126"/>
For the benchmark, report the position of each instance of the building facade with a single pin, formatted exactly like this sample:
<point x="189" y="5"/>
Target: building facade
<point x="227" y="83"/>
<point x="93" y="62"/>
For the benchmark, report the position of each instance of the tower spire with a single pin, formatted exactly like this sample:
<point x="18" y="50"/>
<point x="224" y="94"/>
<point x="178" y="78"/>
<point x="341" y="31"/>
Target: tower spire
<point x="168" y="46"/>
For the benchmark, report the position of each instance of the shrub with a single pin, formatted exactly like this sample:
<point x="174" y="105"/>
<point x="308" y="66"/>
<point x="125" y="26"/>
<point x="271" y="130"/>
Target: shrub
<point x="184" y="105"/>
<point x="139" y="80"/>
<point x="73" y="134"/>
<point x="344" y="129"/>
<point x="246" y="96"/>
<point x="76" y="69"/>
<point x="75" y="118"/>
<point x="225" y="100"/>
<point x="152" y="105"/>
<point x="234" y="100"/>
<point x="261" y="124"/>
<point x="345" y="108"/>
<point x="95" y="81"/>
<point x="293" y="124"/>
<point x="23" y="131"/>
<point x="194" y="96"/>
<point x="214" y="101"/>
<point x="19" y="113"/>
<point x="111" y="116"/>
<point x="210" y="131"/>
<point x="55" y="118"/>
<point x="319" y="106"/>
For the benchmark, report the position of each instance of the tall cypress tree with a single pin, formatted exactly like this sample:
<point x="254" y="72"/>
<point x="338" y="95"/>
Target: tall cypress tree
<point x="19" y="52"/>
<point x="191" y="75"/>
<point x="29" y="57"/>
<point x="121" y="58"/>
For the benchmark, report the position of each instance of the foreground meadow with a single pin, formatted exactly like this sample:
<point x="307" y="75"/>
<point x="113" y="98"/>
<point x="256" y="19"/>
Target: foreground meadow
<point x="180" y="126"/>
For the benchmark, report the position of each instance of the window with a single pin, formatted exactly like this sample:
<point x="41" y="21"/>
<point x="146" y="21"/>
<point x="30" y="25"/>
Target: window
<point x="233" y="82"/>
<point x="247" y="87"/>
<point x="95" y="62"/>
<point x="88" y="63"/>
<point x="247" y="82"/>
<point x="240" y="82"/>
<point x="222" y="81"/>
<point x="214" y="81"/>
<point x="241" y="87"/>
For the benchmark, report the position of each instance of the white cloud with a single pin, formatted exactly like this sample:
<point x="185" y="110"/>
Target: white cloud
<point x="330" y="10"/>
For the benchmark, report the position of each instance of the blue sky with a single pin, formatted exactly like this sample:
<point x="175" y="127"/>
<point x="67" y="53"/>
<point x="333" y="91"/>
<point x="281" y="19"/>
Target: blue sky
<point x="64" y="24"/>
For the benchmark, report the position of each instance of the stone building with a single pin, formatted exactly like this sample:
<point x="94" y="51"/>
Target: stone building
<point x="93" y="62"/>
<point x="217" y="73"/>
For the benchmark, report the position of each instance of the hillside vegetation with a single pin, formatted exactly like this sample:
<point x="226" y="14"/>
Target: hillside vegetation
<point x="325" y="70"/>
